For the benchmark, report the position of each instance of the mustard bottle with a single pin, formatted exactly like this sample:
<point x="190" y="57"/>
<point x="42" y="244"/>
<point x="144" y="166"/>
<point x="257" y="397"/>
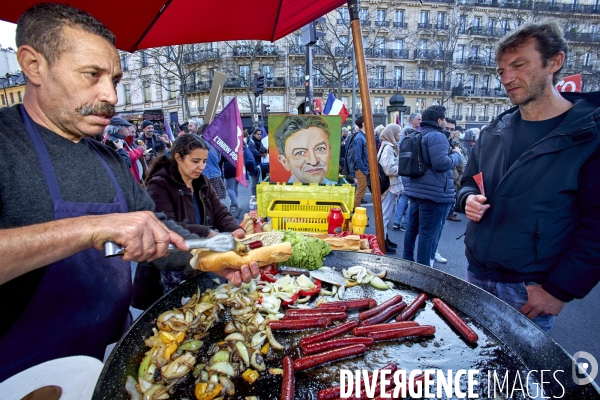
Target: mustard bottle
<point x="359" y="220"/>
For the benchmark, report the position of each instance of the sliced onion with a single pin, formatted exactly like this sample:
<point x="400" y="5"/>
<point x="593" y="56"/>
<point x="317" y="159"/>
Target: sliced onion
<point x="235" y="336"/>
<point x="257" y="340"/>
<point x="130" y="387"/>
<point x="243" y="351"/>
<point x="377" y="283"/>
<point x="274" y="343"/>
<point x="227" y="385"/>
<point x="222" y="368"/>
<point x="257" y="361"/>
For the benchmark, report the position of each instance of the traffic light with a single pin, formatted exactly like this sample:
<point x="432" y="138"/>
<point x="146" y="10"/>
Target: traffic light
<point x="259" y="84"/>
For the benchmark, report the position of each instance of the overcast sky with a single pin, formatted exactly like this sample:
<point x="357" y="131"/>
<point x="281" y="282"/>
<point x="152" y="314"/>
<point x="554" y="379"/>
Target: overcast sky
<point x="7" y="34"/>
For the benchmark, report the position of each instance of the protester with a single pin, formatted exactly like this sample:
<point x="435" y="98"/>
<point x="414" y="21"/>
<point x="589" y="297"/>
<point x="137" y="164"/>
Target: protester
<point x="401" y="214"/>
<point x="431" y="194"/>
<point x="120" y="129"/>
<point x="213" y="171"/>
<point x="180" y="190"/>
<point x="414" y="122"/>
<point x="388" y="159"/>
<point x="457" y="172"/>
<point x="358" y="161"/>
<point x="153" y="142"/>
<point x="533" y="240"/>
<point x="304" y="148"/>
<point x="231" y="182"/>
<point x="64" y="195"/>
<point x="258" y="150"/>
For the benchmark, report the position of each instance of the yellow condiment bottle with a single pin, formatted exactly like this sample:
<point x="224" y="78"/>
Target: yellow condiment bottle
<point x="359" y="220"/>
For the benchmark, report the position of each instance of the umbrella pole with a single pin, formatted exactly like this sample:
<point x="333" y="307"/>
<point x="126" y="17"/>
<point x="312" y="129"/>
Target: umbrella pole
<point x="353" y="10"/>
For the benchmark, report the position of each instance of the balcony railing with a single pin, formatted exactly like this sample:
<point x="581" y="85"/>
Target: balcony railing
<point x="375" y="53"/>
<point x="425" y="25"/>
<point x="382" y="23"/>
<point x="375" y="83"/>
<point x="582" y="37"/>
<point x="201" y="55"/>
<point x="343" y="21"/>
<point x="441" y="26"/>
<point x="480" y="61"/>
<point x="400" y="24"/>
<point x="297" y="49"/>
<point x="460" y="60"/>
<point x="489" y="32"/>
<point x="233" y="83"/>
<point x="432" y="54"/>
<point x="478" y="92"/>
<point x="457" y="117"/>
<point x="516" y="4"/>
<point x="264" y="51"/>
<point x="471" y="117"/>
<point x="379" y="111"/>
<point x="441" y="1"/>
<point x="567" y="7"/>
<point x="365" y="22"/>
<point x="581" y="67"/>
<point x="484" y="118"/>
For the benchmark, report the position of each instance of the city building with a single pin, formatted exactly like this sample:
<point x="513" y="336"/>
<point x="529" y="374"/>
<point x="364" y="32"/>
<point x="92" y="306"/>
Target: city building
<point x="13" y="89"/>
<point x="435" y="52"/>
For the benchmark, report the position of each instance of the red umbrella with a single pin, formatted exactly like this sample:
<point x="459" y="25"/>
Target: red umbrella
<point x="141" y="24"/>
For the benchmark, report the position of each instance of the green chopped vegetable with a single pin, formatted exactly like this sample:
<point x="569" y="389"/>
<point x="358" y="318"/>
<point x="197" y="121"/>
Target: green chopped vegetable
<point x="307" y="252"/>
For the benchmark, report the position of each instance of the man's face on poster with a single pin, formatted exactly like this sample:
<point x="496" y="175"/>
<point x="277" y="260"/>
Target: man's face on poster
<point x="307" y="155"/>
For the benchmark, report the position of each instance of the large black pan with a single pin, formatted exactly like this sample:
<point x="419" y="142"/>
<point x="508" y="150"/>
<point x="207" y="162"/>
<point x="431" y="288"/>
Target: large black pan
<point x="535" y="349"/>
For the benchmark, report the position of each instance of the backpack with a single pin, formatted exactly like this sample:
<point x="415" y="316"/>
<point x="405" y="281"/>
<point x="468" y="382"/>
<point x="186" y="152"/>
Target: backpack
<point x="410" y="159"/>
<point x="384" y="180"/>
<point x="349" y="156"/>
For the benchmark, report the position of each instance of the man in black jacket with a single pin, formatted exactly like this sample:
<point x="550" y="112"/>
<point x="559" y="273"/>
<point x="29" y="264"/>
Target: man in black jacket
<point x="533" y="239"/>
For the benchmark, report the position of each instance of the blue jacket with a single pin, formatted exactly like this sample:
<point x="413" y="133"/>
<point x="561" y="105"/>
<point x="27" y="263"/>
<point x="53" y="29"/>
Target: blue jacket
<point x="361" y="157"/>
<point x="438" y="182"/>
<point x="543" y="223"/>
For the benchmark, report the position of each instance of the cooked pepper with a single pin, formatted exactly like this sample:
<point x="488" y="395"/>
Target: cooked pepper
<point x="202" y="393"/>
<point x="292" y="300"/>
<point x="267" y="277"/>
<point x="250" y="375"/>
<point x="192" y="345"/>
<point x="145" y="364"/>
<point x="272" y="269"/>
<point x="265" y="348"/>
<point x="171" y="347"/>
<point x="316" y="290"/>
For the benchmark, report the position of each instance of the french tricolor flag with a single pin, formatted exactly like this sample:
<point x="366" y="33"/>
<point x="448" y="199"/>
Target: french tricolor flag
<point x="335" y="107"/>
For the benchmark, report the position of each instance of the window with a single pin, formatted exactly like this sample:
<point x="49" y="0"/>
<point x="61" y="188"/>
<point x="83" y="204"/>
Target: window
<point x="422" y="75"/>
<point x="496" y="111"/>
<point x="144" y="58"/>
<point x="472" y="81"/>
<point x="458" y="79"/>
<point x="3" y="100"/>
<point x="423" y="44"/>
<point x="398" y="72"/>
<point x="491" y="24"/>
<point x="380" y="43"/>
<point x="363" y="14"/>
<point x="19" y="96"/>
<point x="172" y="88"/>
<point x="245" y="73"/>
<point x="127" y="93"/>
<point x="462" y="24"/>
<point x="269" y="72"/>
<point x="170" y="56"/>
<point x="147" y="92"/>
<point x="380" y="75"/>
<point x="424" y="17"/>
<point x="488" y="54"/>
<point x="211" y="73"/>
<point x="477" y="22"/>
<point x="378" y="105"/>
<point x="485" y="82"/>
<point x="457" y="109"/>
<point x="343" y="16"/>
<point x="316" y="73"/>
<point x="441" y="20"/>
<point x="460" y="53"/>
<point x="399" y="17"/>
<point x="587" y="62"/>
<point x="439" y="46"/>
<point x="474" y="52"/>
<point x="12" y="98"/>
<point x="437" y="75"/>
<point x="594" y="29"/>
<point x="505" y="25"/>
<point x="484" y="110"/>
<point x="421" y="104"/>
<point x="399" y="44"/>
<point x="299" y="71"/>
<point x="471" y="110"/>
<point x="124" y="62"/>
<point x="380" y="16"/>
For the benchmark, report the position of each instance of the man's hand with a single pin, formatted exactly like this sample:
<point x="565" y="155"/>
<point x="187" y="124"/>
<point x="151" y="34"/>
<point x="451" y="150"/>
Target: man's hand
<point x="245" y="274"/>
<point x="474" y="208"/>
<point x="239" y="233"/>
<point x="456" y="150"/>
<point x="540" y="302"/>
<point x="142" y="235"/>
<point x="165" y="138"/>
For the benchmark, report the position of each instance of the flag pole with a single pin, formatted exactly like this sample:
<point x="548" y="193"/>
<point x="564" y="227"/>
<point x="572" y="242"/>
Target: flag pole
<point x="353" y="10"/>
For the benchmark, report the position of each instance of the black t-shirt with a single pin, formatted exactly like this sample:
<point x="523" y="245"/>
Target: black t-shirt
<point x="529" y="132"/>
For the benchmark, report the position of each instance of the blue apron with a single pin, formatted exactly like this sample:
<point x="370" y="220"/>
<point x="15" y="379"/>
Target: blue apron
<point x="82" y="302"/>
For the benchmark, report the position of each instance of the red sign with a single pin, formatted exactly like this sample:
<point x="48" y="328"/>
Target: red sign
<point x="318" y="105"/>
<point x="569" y="84"/>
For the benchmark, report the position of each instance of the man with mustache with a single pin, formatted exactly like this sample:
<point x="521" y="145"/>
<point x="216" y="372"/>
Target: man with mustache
<point x="304" y="149"/>
<point x="533" y="240"/>
<point x="63" y="195"/>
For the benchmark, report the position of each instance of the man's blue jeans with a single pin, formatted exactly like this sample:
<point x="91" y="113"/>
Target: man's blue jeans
<point x="439" y="234"/>
<point x="515" y="294"/>
<point x="400" y="209"/>
<point x="424" y="221"/>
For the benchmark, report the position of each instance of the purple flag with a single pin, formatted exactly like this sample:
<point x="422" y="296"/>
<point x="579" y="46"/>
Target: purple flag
<point x="168" y="131"/>
<point x="226" y="135"/>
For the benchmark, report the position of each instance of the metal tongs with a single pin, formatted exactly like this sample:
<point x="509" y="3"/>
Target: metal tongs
<point x="221" y="242"/>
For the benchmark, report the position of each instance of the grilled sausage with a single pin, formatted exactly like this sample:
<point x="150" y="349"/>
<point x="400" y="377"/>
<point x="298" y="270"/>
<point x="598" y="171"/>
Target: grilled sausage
<point x="424" y="330"/>
<point x="334" y="392"/>
<point x="412" y="309"/>
<point x="287" y="389"/>
<point x="376" y="310"/>
<point x="384" y="315"/>
<point x="297" y="324"/>
<point x="455" y="320"/>
<point x="336" y="343"/>
<point x="334" y="316"/>
<point x="317" y="359"/>
<point x="363" y="330"/>
<point x="351" y="304"/>
<point x="328" y="334"/>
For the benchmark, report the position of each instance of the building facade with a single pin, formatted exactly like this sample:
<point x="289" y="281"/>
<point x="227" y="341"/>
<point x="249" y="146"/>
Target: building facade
<point x="437" y="52"/>
<point x="12" y="89"/>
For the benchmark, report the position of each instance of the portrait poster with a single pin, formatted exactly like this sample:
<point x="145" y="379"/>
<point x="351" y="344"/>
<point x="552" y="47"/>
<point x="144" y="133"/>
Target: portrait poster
<point x="304" y="148"/>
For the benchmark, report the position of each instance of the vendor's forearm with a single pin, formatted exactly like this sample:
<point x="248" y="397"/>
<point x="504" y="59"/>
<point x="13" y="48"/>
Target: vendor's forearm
<point x="30" y="247"/>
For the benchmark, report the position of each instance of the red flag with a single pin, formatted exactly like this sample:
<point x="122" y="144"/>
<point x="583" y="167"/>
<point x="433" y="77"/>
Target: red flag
<point x="570" y="83"/>
<point x="226" y="135"/>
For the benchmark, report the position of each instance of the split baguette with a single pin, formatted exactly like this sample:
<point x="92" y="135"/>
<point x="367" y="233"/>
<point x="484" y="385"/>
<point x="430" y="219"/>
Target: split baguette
<point x="209" y="261"/>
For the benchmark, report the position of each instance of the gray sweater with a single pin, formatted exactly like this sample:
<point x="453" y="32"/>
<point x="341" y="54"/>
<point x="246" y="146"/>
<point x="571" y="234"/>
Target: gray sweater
<point x="25" y="199"/>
